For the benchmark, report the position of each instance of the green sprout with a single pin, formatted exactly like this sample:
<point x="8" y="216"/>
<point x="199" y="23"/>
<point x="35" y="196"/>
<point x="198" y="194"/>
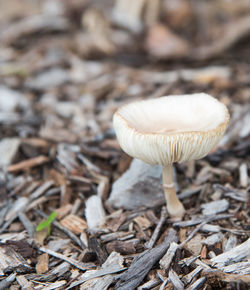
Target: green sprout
<point x="47" y="223"/>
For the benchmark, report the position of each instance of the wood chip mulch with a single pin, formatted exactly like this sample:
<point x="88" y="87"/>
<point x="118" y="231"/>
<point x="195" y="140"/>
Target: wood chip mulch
<point x="59" y="154"/>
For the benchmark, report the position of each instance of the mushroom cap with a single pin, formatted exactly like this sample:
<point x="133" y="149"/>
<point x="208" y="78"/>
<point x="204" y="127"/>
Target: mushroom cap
<point x="171" y="128"/>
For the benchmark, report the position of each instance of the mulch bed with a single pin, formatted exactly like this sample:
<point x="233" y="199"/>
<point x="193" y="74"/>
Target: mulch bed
<point x="58" y="150"/>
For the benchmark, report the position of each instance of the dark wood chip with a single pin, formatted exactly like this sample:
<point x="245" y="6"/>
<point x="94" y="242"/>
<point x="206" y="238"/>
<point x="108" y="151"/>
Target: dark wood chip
<point x="95" y="246"/>
<point x="142" y="264"/>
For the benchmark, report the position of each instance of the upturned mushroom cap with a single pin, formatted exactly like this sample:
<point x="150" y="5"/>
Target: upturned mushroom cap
<point x="171" y="129"/>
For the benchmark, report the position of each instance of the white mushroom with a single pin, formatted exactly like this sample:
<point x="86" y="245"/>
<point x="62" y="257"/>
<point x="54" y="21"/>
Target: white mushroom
<point x="171" y="129"/>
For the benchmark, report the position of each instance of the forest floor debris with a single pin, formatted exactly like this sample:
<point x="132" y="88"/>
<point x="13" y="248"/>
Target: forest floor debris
<point x="62" y="78"/>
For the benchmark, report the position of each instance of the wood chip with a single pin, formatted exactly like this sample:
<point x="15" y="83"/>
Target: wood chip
<point x="173" y="277"/>
<point x="5" y="283"/>
<point x="210" y="228"/>
<point x="58" y="244"/>
<point x="166" y="260"/>
<point x="215" y="207"/>
<point x="143" y="222"/>
<point x="71" y="261"/>
<point x="74" y="223"/>
<point x="230" y="243"/>
<point x="33" y="24"/>
<point x="24" y="283"/>
<point x="63" y="211"/>
<point x="203" y="252"/>
<point x="143" y="263"/>
<point x="30" y="228"/>
<point x="222" y="276"/>
<point x="189" y="277"/>
<point x="236" y="254"/>
<point x="213" y="239"/>
<point x="155" y="235"/>
<point x="113" y="264"/>
<point x="199" y="220"/>
<point x="10" y="259"/>
<point x="189" y="192"/>
<point x="198" y="284"/>
<point x="150" y="284"/>
<point x="195" y="245"/>
<point x="94" y="212"/>
<point x="95" y="246"/>
<point x="243" y="175"/>
<point x="117" y="236"/>
<point x="41" y="189"/>
<point x="124" y="248"/>
<point x="8" y="150"/>
<point x="55" y="285"/>
<point x="42" y="265"/>
<point x="27" y="164"/>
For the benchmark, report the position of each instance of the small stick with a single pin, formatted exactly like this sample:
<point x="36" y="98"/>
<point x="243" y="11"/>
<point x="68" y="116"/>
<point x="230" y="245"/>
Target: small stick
<point x="195" y="231"/>
<point x="71" y="261"/>
<point x="27" y="164"/>
<point x="30" y="228"/>
<point x="41" y="189"/>
<point x="155" y="235"/>
<point x="197" y="221"/>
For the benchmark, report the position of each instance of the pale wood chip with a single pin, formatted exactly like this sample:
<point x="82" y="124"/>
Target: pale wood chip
<point x="74" y="223"/>
<point x="42" y="265"/>
<point x="143" y="222"/>
<point x="63" y="211"/>
<point x="232" y="256"/>
<point x="195" y="245"/>
<point x="166" y="260"/>
<point x="173" y="277"/>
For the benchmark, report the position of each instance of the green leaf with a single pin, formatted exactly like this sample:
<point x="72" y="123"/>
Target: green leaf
<point x="52" y="217"/>
<point x="47" y="223"/>
<point x="42" y="225"/>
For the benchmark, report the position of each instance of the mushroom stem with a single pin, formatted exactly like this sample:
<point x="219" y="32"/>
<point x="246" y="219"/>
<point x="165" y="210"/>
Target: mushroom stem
<point x="174" y="206"/>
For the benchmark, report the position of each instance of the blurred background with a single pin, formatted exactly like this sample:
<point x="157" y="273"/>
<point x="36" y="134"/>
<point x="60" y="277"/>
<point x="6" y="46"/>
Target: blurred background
<point x="65" y="66"/>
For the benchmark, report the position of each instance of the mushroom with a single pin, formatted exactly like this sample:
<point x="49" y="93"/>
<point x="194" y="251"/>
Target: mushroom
<point x="171" y="129"/>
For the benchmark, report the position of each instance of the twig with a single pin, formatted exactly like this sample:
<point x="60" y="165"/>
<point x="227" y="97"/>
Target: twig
<point x="27" y="164"/>
<point x="155" y="235"/>
<point x="193" y="233"/>
<point x="197" y="221"/>
<point x="236" y="232"/>
<point x="27" y="224"/>
<point x="40" y="190"/>
<point x="71" y="261"/>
